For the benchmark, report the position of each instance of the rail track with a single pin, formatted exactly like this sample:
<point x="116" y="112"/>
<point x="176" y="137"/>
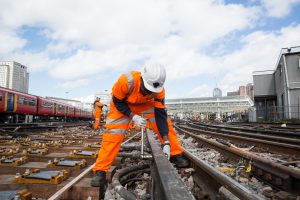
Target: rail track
<point x="167" y="184"/>
<point x="278" y="175"/>
<point x="276" y="142"/>
<point x="269" y="126"/>
<point x="132" y="170"/>
<point x="25" y="129"/>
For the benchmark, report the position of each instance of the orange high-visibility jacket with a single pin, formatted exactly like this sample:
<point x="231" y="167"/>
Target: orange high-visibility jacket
<point x="98" y="108"/>
<point x="127" y="89"/>
<point x="128" y="86"/>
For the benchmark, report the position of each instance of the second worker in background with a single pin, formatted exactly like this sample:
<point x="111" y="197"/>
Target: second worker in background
<point x="97" y="112"/>
<point x="137" y="94"/>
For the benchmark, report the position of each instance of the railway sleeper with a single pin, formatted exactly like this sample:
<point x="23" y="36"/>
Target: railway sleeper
<point x="276" y="178"/>
<point x="34" y="176"/>
<point x="10" y="161"/>
<point x="83" y="154"/>
<point x="16" y="194"/>
<point x="70" y="164"/>
<point x="35" y="152"/>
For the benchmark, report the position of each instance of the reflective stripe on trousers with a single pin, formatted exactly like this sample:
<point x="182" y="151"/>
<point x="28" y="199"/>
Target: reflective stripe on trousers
<point x="112" y="140"/>
<point x="117" y="126"/>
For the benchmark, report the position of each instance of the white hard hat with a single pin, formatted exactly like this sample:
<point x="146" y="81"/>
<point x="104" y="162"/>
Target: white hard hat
<point x="154" y="76"/>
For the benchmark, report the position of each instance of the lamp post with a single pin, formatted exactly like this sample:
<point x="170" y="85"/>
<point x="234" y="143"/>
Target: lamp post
<point x="66" y="107"/>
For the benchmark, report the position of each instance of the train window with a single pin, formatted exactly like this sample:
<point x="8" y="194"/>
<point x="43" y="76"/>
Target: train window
<point x="60" y="107"/>
<point x="47" y="105"/>
<point x="32" y="102"/>
<point x="21" y="100"/>
<point x="26" y="101"/>
<point x="0" y="96"/>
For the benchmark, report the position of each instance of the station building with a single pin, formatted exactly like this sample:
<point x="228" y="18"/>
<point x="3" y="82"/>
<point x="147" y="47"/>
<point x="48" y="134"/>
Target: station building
<point x="277" y="92"/>
<point x="203" y="108"/>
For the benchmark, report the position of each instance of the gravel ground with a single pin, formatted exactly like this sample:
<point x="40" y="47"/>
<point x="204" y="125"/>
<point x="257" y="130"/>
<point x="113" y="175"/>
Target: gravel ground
<point x="212" y="157"/>
<point x="216" y="160"/>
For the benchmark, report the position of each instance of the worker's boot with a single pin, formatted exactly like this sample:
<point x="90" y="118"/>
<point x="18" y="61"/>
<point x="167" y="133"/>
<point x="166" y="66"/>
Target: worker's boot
<point x="180" y="161"/>
<point x="99" y="180"/>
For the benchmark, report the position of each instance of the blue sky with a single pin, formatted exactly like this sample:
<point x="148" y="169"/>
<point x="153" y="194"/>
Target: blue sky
<point x="81" y="47"/>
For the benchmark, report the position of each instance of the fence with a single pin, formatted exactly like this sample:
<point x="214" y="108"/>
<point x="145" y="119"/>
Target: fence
<point x="279" y="113"/>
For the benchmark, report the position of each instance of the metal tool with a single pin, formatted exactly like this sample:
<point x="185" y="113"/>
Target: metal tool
<point x="142" y="138"/>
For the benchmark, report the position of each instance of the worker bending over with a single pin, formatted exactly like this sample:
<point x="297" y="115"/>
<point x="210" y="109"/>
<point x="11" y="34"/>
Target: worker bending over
<point x="97" y="112"/>
<point x="137" y="96"/>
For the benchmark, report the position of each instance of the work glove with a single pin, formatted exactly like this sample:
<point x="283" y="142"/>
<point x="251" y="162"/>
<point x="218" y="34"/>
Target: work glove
<point x="140" y="121"/>
<point x="166" y="149"/>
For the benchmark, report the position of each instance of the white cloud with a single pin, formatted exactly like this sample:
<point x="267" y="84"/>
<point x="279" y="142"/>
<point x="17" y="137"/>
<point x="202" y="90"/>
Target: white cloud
<point x="87" y="99"/>
<point x="201" y="91"/>
<point x="108" y="34"/>
<point x="73" y="84"/>
<point x="34" y="61"/>
<point x="89" y="37"/>
<point x="279" y="8"/>
<point x="10" y="41"/>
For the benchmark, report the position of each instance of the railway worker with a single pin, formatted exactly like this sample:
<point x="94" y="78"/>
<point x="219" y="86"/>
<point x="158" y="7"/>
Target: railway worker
<point x="137" y="96"/>
<point x="97" y="112"/>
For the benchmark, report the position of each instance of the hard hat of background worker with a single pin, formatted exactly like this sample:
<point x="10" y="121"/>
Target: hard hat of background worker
<point x="154" y="76"/>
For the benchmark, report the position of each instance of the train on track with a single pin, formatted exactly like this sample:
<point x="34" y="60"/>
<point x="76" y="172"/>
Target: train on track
<point x="21" y="107"/>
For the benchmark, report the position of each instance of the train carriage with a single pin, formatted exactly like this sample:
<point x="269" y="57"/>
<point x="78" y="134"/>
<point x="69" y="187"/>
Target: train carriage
<point x="70" y="111"/>
<point x="89" y="115"/>
<point x="83" y="114"/>
<point x="77" y="112"/>
<point x="17" y="107"/>
<point x="1" y="101"/>
<point x="46" y="107"/>
<point x="60" y="110"/>
<point x="14" y="102"/>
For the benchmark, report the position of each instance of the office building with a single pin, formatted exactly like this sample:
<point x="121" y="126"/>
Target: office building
<point x="14" y="76"/>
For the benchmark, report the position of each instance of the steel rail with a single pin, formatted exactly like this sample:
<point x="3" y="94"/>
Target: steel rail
<point x="283" y="133"/>
<point x="167" y="183"/>
<point x="280" y="176"/>
<point x="217" y="179"/>
<point x="243" y="132"/>
<point x="276" y="126"/>
<point x="60" y="192"/>
<point x="277" y="147"/>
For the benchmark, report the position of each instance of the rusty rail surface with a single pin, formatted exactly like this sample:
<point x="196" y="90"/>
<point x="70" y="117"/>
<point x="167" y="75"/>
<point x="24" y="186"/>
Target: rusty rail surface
<point x="280" y="134"/>
<point x="279" y="176"/>
<point x="271" y="126"/>
<point x="167" y="183"/>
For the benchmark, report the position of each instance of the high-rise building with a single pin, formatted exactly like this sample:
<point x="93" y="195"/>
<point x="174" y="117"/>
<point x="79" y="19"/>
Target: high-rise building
<point x="14" y="76"/>
<point x="217" y="92"/>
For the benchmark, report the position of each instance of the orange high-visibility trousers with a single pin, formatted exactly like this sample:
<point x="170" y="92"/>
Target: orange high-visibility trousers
<point x="97" y="120"/>
<point x="116" y="127"/>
